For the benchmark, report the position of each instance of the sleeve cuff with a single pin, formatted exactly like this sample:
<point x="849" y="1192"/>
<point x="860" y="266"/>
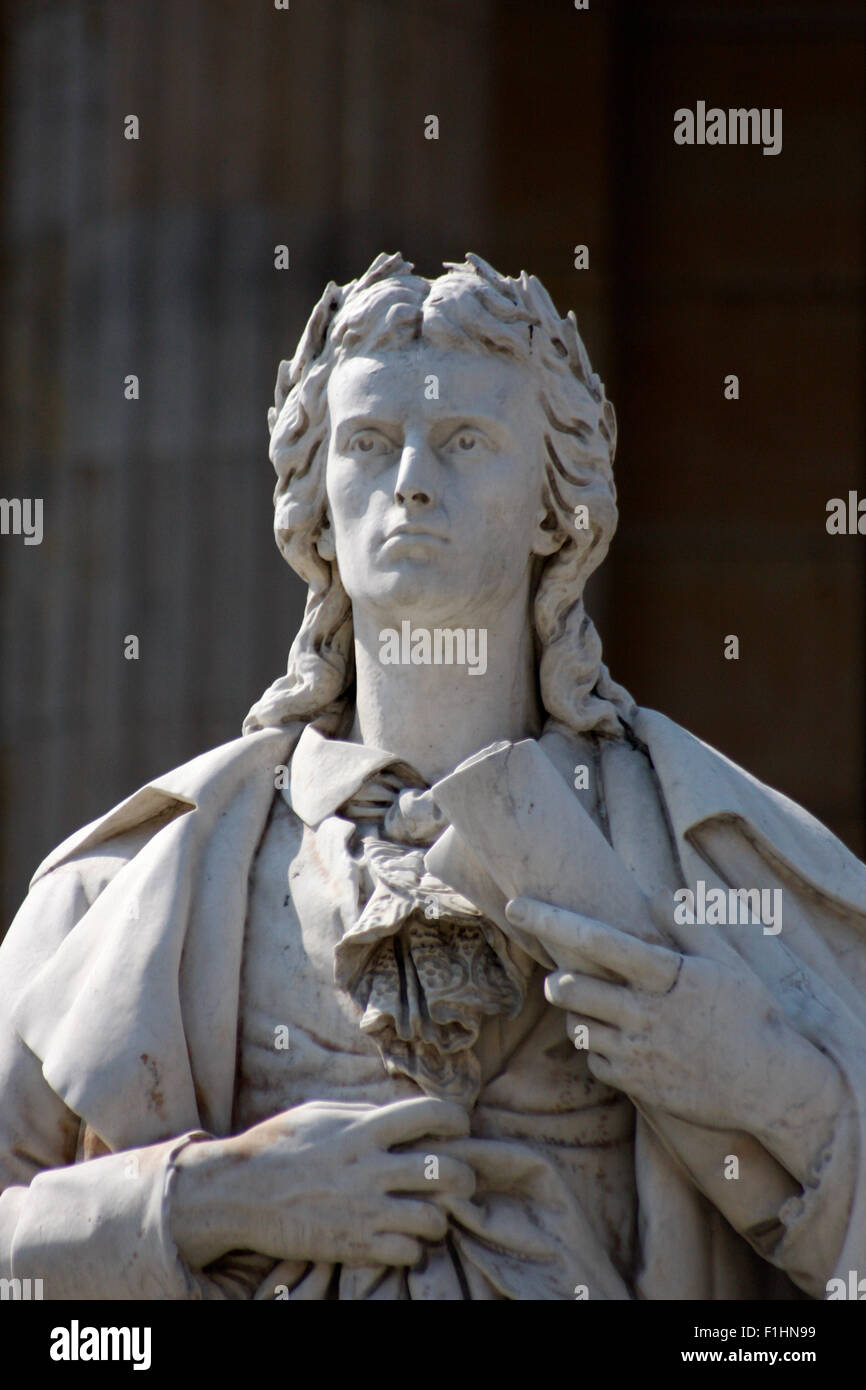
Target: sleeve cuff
<point x="99" y="1230"/>
<point x="812" y="1224"/>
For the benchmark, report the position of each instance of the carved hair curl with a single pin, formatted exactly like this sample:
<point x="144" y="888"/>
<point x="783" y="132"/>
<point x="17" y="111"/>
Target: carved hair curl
<point x="471" y="305"/>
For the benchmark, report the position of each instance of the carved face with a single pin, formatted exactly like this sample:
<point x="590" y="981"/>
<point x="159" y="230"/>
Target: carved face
<point x="434" y="479"/>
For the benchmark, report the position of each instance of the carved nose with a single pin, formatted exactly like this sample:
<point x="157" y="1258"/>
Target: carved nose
<point x="413" y="484"/>
<point x="410" y="493"/>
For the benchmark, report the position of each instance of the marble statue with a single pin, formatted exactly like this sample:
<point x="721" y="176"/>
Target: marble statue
<point x="458" y="975"/>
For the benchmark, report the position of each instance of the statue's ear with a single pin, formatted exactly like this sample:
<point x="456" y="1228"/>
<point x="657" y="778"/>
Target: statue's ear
<point x="549" y="537"/>
<point x="325" y="540"/>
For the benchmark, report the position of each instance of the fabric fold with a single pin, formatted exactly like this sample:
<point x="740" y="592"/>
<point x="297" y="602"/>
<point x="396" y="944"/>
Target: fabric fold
<point x="422" y="963"/>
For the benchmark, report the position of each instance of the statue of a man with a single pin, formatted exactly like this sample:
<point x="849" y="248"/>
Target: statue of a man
<point x="253" y="1045"/>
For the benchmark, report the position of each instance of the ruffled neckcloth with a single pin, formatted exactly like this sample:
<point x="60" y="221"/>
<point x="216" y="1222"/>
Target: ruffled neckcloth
<point x="424" y="966"/>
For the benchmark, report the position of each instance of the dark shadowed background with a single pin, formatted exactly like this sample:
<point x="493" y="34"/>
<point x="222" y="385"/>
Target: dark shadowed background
<point x="306" y="127"/>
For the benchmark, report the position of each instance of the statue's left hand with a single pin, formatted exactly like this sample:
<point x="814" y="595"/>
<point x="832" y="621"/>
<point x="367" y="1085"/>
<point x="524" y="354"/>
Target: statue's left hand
<point x="699" y="1039"/>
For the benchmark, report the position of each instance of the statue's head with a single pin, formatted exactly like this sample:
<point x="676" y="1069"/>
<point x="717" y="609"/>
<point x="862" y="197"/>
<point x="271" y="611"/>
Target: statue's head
<point x="438" y="444"/>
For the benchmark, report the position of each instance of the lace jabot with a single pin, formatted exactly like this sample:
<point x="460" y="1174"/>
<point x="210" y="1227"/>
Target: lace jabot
<point x="424" y="966"/>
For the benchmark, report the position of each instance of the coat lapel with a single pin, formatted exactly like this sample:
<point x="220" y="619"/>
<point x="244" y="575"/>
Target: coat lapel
<point x="699" y="785"/>
<point x="135" y="1015"/>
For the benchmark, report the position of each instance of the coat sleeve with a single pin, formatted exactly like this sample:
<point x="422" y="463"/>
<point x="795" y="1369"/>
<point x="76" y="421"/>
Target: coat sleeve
<point x="815" y="968"/>
<point x="88" y="1227"/>
<point x="813" y="1225"/>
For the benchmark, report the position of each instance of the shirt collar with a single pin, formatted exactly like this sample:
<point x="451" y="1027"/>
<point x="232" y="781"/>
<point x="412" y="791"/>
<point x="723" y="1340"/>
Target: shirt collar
<point x="326" y="772"/>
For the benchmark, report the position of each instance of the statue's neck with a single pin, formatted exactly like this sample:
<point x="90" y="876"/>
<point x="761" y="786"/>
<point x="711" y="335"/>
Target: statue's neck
<point x="433" y="713"/>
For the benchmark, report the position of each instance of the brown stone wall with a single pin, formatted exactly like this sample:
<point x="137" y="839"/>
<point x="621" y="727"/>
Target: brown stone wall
<point x="306" y="127"/>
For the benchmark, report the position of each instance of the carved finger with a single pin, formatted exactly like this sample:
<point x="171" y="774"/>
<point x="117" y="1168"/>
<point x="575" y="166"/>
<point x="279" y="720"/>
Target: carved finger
<point x="389" y="1248"/>
<point x="416" y="1218"/>
<point x="588" y="1035"/>
<point x="610" y="1003"/>
<point x="603" y="1069"/>
<point x="406" y="1120"/>
<point x="428" y="1173"/>
<point x="570" y="936"/>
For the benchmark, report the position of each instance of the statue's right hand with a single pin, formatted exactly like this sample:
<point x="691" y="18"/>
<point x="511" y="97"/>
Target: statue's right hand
<point x="321" y="1182"/>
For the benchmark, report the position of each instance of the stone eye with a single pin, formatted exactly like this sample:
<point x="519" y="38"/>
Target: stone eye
<point x="465" y="440"/>
<point x="369" y="442"/>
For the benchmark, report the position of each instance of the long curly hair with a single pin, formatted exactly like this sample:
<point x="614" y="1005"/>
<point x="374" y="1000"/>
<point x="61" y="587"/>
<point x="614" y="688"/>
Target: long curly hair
<point x="471" y="306"/>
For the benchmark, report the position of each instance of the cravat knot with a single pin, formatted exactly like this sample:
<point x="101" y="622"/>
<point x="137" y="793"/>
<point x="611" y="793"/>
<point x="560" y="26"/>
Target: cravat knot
<point x="408" y="814"/>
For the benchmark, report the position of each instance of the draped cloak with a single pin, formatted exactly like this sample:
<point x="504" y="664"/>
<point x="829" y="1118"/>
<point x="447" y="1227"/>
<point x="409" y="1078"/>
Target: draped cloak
<point x="132" y="1017"/>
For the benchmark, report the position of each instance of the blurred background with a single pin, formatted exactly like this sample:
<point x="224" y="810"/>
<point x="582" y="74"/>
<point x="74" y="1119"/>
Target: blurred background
<point x="305" y="127"/>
